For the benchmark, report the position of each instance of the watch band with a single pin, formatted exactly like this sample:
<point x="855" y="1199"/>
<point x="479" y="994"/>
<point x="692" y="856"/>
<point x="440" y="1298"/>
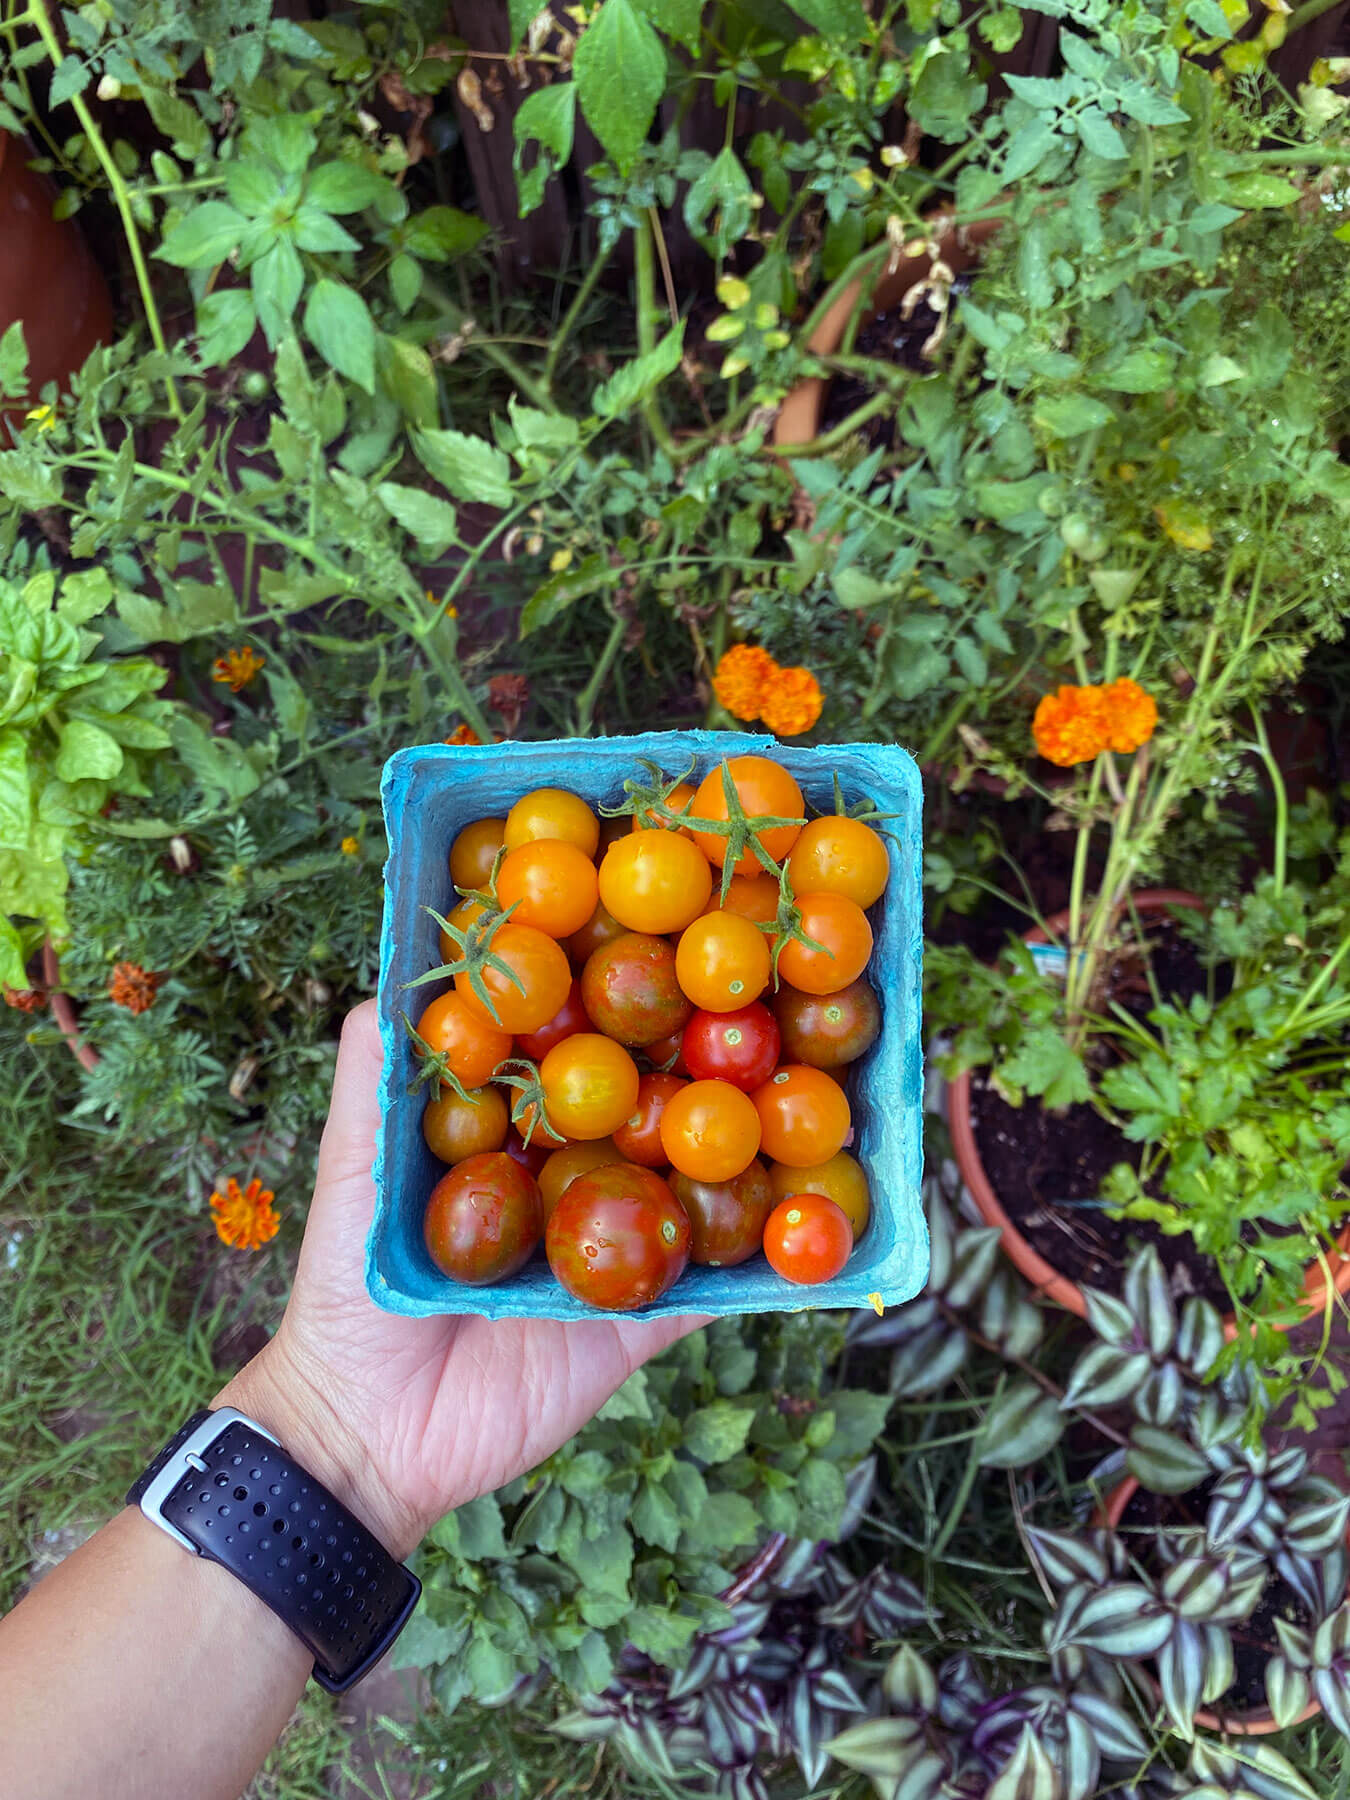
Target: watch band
<point x="225" y="1489"/>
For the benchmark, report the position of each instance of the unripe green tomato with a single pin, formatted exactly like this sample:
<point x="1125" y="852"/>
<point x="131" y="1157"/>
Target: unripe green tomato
<point x="1081" y="535"/>
<point x="254" y="385"/>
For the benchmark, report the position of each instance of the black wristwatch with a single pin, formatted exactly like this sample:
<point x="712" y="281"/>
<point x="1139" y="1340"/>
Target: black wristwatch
<point x="224" y="1488"/>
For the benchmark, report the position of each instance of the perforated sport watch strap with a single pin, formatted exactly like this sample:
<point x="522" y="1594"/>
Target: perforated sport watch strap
<point x="225" y="1489"/>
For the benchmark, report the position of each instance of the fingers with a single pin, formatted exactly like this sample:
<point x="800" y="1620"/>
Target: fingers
<point x="643" y="1338"/>
<point x="348" y="1146"/>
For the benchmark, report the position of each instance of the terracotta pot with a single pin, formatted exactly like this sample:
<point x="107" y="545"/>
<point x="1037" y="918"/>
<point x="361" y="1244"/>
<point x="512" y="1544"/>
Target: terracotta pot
<point x="63" y="1009"/>
<point x="48" y="278"/>
<point x="799" y="416"/>
<point x="1043" y="1276"/>
<point x="1260" y="1721"/>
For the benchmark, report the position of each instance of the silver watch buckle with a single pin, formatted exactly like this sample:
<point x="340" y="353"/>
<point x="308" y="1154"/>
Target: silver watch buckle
<point x="189" y="1456"/>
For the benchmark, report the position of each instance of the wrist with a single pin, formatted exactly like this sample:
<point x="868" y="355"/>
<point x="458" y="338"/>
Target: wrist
<point x="277" y="1390"/>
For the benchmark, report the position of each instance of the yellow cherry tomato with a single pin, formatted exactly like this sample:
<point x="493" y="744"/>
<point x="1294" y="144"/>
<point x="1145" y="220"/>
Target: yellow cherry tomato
<point x="840" y="856"/>
<point x="655" y="881"/>
<point x="551" y="885"/>
<point x="474" y="851"/>
<point x="840" y="1179"/>
<point x="590" y="1086"/>
<point x="552" y="813"/>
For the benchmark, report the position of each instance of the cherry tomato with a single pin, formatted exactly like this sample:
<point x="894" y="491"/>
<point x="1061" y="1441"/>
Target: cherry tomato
<point x="474" y="852"/>
<point x="803" y="1115"/>
<point x="679" y="799"/>
<point x="552" y="813"/>
<point x="539" y="965"/>
<point x="723" y="962"/>
<point x="840" y="926"/>
<point x="807" y="1239"/>
<point x="639" y="1137"/>
<point x="590" y="1086"/>
<point x="841" y="1179"/>
<point x="826" y="1030"/>
<point x="531" y="1156"/>
<point x="765" y="790"/>
<point x="561" y="1168"/>
<point x="570" y="1018"/>
<point x="471" y="1046"/>
<point x="752" y="896"/>
<point x="601" y="928"/>
<point x="534" y="1134"/>
<point x="667" y="1054"/>
<point x="740" y="1047"/>
<point x="618" y="1237"/>
<point x="630" y="991"/>
<point x="727" y="1218"/>
<point x="655" y="881"/>
<point x="710" y="1130"/>
<point x="840" y="856"/>
<point x="461" y="916"/>
<point x="456" y="1128"/>
<point x="483" y="1219"/>
<point x="551" y="884"/>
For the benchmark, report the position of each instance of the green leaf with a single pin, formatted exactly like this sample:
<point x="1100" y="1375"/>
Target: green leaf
<point x="344" y="187"/>
<point x="1143" y="370"/>
<point x="1209" y="18"/>
<point x="320" y="233"/>
<point x="654" y="1516"/>
<point x="431" y="520"/>
<point x="278" y="279"/>
<point x="593" y="575"/>
<point x="726" y="1521"/>
<point x="620" y="72"/>
<point x="1070" y="415"/>
<point x="631" y="384"/>
<point x="604" y="1562"/>
<point x="1028" y="1774"/>
<point x="70" y="78"/>
<point x="339" y="325"/>
<point x="405" y="281"/>
<point x="536" y="430"/>
<point x="678" y="19"/>
<point x="468" y="467"/>
<point x="724" y="188"/>
<point x="520" y="14"/>
<point x="946" y="94"/>
<point x="859" y="1420"/>
<point x="659" y="1634"/>
<point x="203" y="237"/>
<point x="87" y="753"/>
<point x="820" y="1496"/>
<point x="1258" y="189"/>
<point x="441" y="233"/>
<point x="407" y="376"/>
<point x="226" y="320"/>
<point x="1028" y="148"/>
<point x="12" y="970"/>
<point x="856" y="589"/>
<point x="630" y="1401"/>
<point x="546" y="118"/>
<point x="717" y="1432"/>
<point x="177" y="120"/>
<point x="1163" y="1462"/>
<point x="254" y="187"/>
<point x="473" y="1531"/>
<point x="491" y="1670"/>
<point x="16" y="801"/>
<point x="841" y="21"/>
<point x="1022" y="1425"/>
<point x="1099" y="135"/>
<point x="1044" y="1064"/>
<point x="13" y="364"/>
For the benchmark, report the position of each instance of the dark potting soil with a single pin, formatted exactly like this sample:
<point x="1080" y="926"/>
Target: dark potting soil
<point x="1048" y="1168"/>
<point x="1254" y="1639"/>
<point x="889" y="337"/>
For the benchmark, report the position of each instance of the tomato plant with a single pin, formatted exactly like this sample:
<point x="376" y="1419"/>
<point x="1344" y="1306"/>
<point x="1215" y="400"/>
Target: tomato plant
<point x="838" y="855"/>
<point x="471" y="1045"/>
<point x="561" y="1168"/>
<point x="765" y="789"/>
<point x="463" y="914"/>
<point x="804" y="1116"/>
<point x="483" y="1219"/>
<point x="590" y="1085"/>
<point x="552" y="813"/>
<point x="723" y="961"/>
<point x="807" y="1239"/>
<point x="840" y="927"/>
<point x="474" y="852"/>
<point x="710" y="1130"/>
<point x="618" y="1237"/>
<point x="535" y="988"/>
<point x="740" y="1047"/>
<point x="639" y="1137"/>
<point x="456" y="1126"/>
<point x="840" y="1179"/>
<point x="826" y="1030"/>
<point x="570" y="1018"/>
<point x="550" y="884"/>
<point x="630" y="990"/>
<point x="655" y="881"/>
<point x="726" y="1218"/>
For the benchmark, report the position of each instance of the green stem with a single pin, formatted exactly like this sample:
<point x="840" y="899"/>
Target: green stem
<point x="1305" y="14"/>
<point x="122" y="195"/>
<point x="969" y="1475"/>
<point x="947" y="725"/>
<point x="591" y="692"/>
<point x="645" y="276"/>
<point x="573" y="313"/>
<point x="534" y="391"/>
<point x="840" y="434"/>
<point x="1281" y="801"/>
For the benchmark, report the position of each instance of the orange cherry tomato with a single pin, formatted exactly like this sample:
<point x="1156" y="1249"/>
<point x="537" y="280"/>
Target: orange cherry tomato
<point x="552" y="813"/>
<point x="840" y="856"/>
<point x="807" y="1239"/>
<point x="590" y="1085"/>
<point x="639" y="1137"/>
<point x="471" y="1046"/>
<point x="474" y="852"/>
<point x="569" y="1019"/>
<point x="542" y="979"/>
<point x="655" y="881"/>
<point x="562" y="1167"/>
<point x="534" y="1134"/>
<point x="600" y="929"/>
<point x="752" y="896"/>
<point x="765" y="790"/>
<point x="723" y="962"/>
<point x="455" y="1127"/>
<point x="710" y="1130"/>
<point x="550" y="883"/>
<point x="841" y="1179"/>
<point x="840" y="926"/>
<point x="679" y="799"/>
<point x="804" y="1116"/>
<point x="461" y="916"/>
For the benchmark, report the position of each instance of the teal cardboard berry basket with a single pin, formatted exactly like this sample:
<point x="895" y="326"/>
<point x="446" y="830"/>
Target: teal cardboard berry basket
<point x="429" y="794"/>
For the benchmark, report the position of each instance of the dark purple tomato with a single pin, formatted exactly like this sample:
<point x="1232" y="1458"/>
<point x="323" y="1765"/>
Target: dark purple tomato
<point x="823" y="1030"/>
<point x="726" y="1218"/>
<point x="618" y="1237"/>
<point x="740" y="1047"/>
<point x="484" y="1219"/>
<point x="629" y="990"/>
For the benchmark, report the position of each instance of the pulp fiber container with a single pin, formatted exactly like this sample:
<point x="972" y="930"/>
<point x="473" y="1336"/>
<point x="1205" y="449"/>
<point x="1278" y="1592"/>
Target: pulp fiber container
<point x="429" y="793"/>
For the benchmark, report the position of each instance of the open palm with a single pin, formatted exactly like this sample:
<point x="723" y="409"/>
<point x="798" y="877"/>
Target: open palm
<point x="421" y="1414"/>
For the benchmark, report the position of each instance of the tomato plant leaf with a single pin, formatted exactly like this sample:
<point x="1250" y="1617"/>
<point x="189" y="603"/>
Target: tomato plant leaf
<point x="339" y="325"/>
<point x="620" y="71"/>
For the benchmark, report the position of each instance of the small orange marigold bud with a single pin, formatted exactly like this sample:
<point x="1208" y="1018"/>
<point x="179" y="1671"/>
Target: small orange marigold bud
<point x="245" y="1218"/>
<point x="237" y="667"/>
<point x="133" y="987"/>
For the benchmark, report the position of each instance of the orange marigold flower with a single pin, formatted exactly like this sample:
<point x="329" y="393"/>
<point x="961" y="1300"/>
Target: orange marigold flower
<point x="245" y="1218"/>
<point x="237" y="667"/>
<point x="792" y="702"/>
<point x="133" y="987"/>
<point x="1131" y="714"/>
<point x="27" y="1000"/>
<point x="1071" y="725"/>
<point x="463" y="734"/>
<point x="741" y="678"/>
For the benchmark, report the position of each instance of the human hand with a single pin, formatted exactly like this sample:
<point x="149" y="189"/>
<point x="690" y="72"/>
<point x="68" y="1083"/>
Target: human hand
<point x="406" y="1418"/>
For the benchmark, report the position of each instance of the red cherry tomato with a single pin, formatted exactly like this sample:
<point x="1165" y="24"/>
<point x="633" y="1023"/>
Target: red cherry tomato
<point x="739" y="1047"/>
<point x="570" y="1018"/>
<point x="483" y="1219"/>
<point x="639" y="1137"/>
<point x="804" y="1116"/>
<point x="727" y="1218"/>
<point x="826" y="1030"/>
<point x="667" y="1054"/>
<point x="618" y="1237"/>
<point x="807" y="1239"/>
<point x="630" y="990"/>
